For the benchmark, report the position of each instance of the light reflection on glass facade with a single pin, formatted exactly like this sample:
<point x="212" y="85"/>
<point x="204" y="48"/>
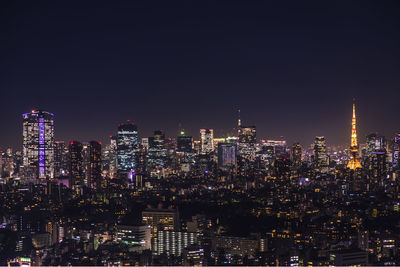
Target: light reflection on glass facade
<point x="127" y="146"/>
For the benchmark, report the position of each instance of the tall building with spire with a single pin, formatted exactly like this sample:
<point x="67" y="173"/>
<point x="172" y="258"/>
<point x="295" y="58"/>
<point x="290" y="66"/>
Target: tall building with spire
<point x="354" y="162"/>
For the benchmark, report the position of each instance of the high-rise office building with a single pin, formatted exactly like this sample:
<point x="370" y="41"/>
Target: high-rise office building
<point x="109" y="157"/>
<point x="376" y="154"/>
<point x="184" y="143"/>
<point x="375" y="142"/>
<point x="207" y="140"/>
<point x="247" y="141"/>
<point x="246" y="148"/>
<point x="127" y="146"/>
<point x="185" y="150"/>
<point x="296" y="155"/>
<point x="247" y="135"/>
<point x="38" y="144"/>
<point x="76" y="179"/>
<point x="396" y="152"/>
<point x="94" y="165"/>
<point x="85" y="161"/>
<point x="60" y="159"/>
<point x="321" y="160"/>
<point x="226" y="156"/>
<point x="354" y="162"/>
<point x="145" y="143"/>
<point x="157" y="153"/>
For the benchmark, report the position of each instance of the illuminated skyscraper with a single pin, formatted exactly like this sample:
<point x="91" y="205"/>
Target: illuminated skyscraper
<point x="396" y="152"/>
<point x="184" y="143"/>
<point x="60" y="159"/>
<point x="127" y="146"/>
<point x="109" y="156"/>
<point x="93" y="173"/>
<point x="157" y="151"/>
<point x="354" y="162"/>
<point x="375" y="142"/>
<point x="207" y="140"/>
<point x="247" y="141"/>
<point x="376" y="154"/>
<point x="296" y="155"/>
<point x="247" y="135"/>
<point x="76" y="179"/>
<point x="38" y="144"/>
<point x="246" y="147"/>
<point x="185" y="148"/>
<point x="226" y="156"/>
<point x="321" y="161"/>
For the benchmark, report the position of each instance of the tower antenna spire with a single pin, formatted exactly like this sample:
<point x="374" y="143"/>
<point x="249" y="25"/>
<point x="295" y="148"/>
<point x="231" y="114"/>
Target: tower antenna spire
<point x="354" y="162"/>
<point x="239" y="121"/>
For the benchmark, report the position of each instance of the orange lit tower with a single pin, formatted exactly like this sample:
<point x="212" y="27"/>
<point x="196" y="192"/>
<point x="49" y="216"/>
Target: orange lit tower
<point x="354" y="162"/>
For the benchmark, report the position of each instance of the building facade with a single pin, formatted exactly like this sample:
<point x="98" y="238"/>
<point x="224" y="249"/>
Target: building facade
<point x="207" y="140"/>
<point x="127" y="146"/>
<point x="38" y="144"/>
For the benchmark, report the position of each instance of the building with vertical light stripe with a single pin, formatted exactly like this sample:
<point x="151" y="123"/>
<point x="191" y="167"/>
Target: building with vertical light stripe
<point x="127" y="147"/>
<point x="38" y="145"/>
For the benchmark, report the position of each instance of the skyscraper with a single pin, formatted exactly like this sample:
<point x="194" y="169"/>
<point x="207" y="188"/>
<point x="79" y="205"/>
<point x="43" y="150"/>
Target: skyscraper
<point x="185" y="151"/>
<point x="320" y="156"/>
<point x="296" y="155"/>
<point x="38" y="144"/>
<point x="375" y="142"/>
<point x="226" y="156"/>
<point x="127" y="146"/>
<point x="75" y="165"/>
<point x="354" y="162"/>
<point x="157" y="151"/>
<point x="94" y="164"/>
<point x="109" y="157"/>
<point x="207" y="140"/>
<point x="184" y="143"/>
<point x="247" y="135"/>
<point x="396" y="152"/>
<point x="246" y="147"/>
<point x="246" y="140"/>
<point x="376" y="154"/>
<point x="60" y="159"/>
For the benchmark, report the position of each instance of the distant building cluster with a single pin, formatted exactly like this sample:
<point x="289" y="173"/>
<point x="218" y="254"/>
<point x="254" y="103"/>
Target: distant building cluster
<point x="198" y="200"/>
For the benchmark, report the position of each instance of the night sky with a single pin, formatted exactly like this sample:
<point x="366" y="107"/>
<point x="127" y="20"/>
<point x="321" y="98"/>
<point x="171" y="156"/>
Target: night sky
<point x="292" y="67"/>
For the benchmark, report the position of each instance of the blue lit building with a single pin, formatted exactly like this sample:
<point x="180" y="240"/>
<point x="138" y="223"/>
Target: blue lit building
<point x="38" y="144"/>
<point x="127" y="147"/>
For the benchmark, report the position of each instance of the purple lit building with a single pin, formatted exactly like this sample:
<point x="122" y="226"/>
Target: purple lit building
<point x="38" y="145"/>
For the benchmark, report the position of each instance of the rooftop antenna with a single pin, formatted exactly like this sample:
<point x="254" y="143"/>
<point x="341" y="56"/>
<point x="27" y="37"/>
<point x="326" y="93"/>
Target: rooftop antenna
<point x="239" y="121"/>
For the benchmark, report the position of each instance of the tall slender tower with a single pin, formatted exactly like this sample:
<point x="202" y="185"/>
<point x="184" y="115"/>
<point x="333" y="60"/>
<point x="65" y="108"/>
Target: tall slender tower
<point x="239" y="121"/>
<point x="354" y="162"/>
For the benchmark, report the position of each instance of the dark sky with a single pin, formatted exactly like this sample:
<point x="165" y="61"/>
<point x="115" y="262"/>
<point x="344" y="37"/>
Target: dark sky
<point x="292" y="67"/>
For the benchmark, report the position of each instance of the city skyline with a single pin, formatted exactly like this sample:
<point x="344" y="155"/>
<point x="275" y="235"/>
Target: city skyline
<point x="291" y="70"/>
<point x="200" y="133"/>
<point x="105" y="138"/>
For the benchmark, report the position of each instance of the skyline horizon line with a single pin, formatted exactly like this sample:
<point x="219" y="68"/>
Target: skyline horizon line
<point x="222" y="133"/>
